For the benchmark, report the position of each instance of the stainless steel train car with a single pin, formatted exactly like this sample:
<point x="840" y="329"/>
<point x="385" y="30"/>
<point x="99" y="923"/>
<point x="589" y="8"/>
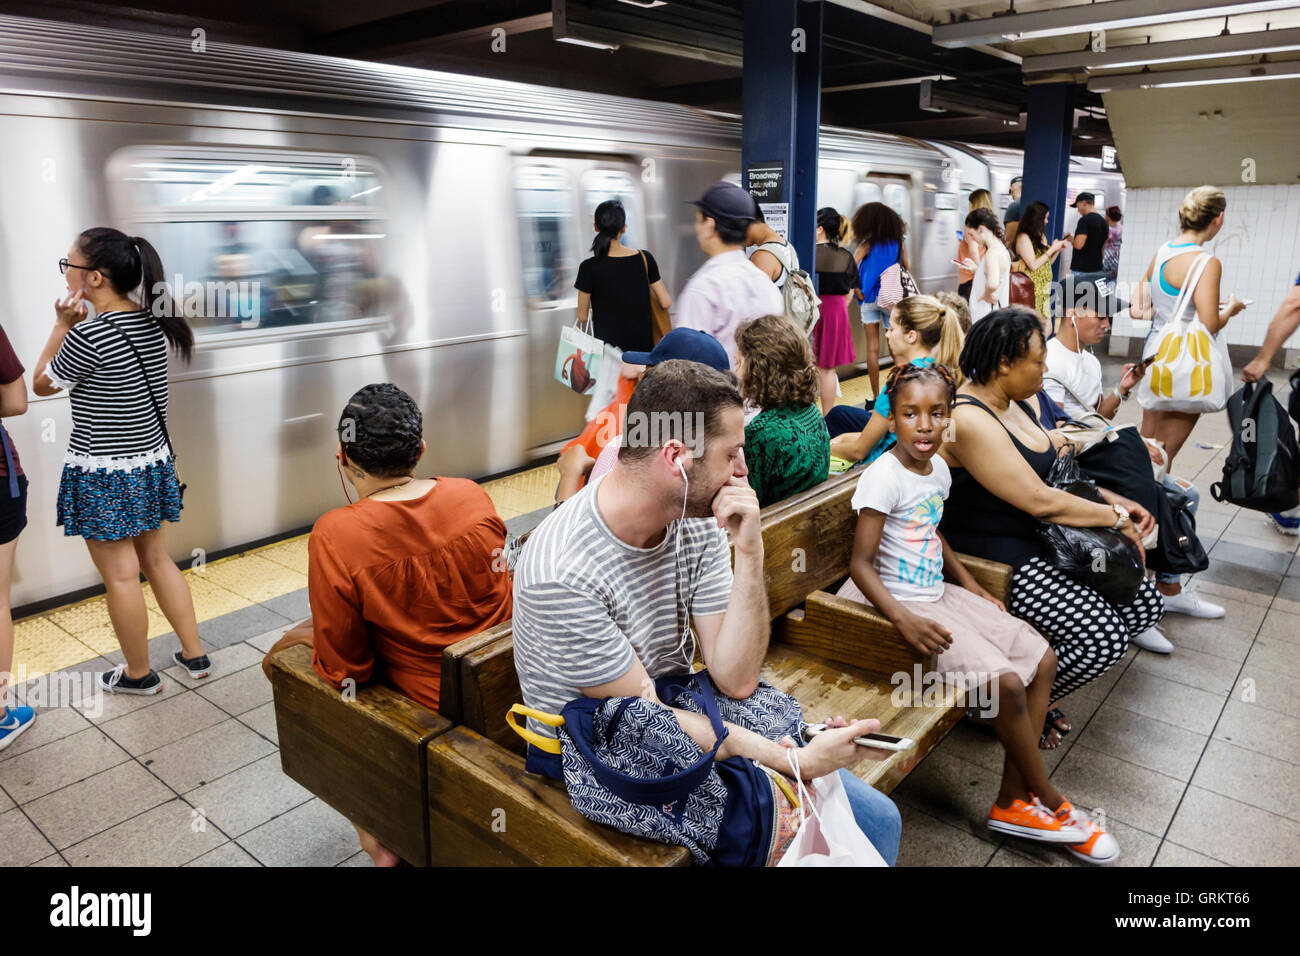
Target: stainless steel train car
<point x="328" y="223"/>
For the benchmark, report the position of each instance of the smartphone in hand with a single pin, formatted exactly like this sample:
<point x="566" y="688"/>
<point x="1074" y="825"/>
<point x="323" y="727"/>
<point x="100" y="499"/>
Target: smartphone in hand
<point x="878" y="741"/>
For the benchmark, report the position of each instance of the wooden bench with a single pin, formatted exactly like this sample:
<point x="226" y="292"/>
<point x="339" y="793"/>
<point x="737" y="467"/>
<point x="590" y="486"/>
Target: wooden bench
<point x="477" y="803"/>
<point x="365" y="757"/>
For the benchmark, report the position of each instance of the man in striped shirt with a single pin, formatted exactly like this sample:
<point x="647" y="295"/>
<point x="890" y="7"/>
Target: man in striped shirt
<point x="608" y="586"/>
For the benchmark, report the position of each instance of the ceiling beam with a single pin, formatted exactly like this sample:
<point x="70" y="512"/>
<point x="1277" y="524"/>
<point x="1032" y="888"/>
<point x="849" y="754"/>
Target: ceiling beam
<point x="1168" y="51"/>
<point x="707" y="31"/>
<point x="419" y="28"/>
<point x="1205" y="76"/>
<point x="1084" y="18"/>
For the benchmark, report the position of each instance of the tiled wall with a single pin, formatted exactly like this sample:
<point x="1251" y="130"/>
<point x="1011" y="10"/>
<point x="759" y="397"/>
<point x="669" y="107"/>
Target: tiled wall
<point x="1259" y="247"/>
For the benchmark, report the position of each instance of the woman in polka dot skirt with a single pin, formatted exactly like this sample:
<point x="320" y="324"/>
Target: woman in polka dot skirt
<point x="999" y="456"/>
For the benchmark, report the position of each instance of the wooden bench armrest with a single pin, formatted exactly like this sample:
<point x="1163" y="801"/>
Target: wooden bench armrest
<point x="451" y="697"/>
<point x="364" y="757"/>
<point x="485" y="809"/>
<point x="993" y="576"/>
<point x="848" y="632"/>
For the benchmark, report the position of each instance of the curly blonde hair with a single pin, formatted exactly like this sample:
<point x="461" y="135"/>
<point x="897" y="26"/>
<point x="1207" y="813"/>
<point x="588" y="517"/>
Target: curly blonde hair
<point x="778" y="364"/>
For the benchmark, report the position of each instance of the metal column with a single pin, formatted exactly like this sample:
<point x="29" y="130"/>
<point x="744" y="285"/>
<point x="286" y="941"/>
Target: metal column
<point x="1048" y="129"/>
<point x="781" y="102"/>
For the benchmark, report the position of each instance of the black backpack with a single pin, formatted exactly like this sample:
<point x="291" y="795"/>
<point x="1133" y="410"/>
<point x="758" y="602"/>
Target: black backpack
<point x="1293" y="403"/>
<point x="1262" y="473"/>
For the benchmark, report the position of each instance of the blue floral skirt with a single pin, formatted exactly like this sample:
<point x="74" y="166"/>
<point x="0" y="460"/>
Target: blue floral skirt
<point x="104" y="505"/>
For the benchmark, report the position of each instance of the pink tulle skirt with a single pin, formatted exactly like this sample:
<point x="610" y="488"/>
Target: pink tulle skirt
<point x="833" y="337"/>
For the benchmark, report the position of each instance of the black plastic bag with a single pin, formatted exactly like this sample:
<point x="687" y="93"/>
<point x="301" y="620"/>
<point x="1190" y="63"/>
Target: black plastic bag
<point x="1178" y="550"/>
<point x="1104" y="560"/>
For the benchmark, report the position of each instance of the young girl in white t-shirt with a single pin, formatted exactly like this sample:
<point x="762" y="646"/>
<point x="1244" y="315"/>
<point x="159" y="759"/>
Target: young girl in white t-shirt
<point x="898" y="566"/>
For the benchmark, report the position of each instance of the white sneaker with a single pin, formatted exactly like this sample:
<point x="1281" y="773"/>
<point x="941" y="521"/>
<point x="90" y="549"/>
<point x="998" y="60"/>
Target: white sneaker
<point x="1152" y="640"/>
<point x="1190" y="603"/>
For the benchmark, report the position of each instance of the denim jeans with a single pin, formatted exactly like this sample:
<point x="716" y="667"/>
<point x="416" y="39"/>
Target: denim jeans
<point x="876" y="815"/>
<point x="846" y="418"/>
<point x="1193" y="501"/>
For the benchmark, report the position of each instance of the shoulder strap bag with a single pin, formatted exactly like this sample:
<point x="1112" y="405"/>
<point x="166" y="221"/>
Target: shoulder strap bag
<point x="162" y="422"/>
<point x="663" y="323"/>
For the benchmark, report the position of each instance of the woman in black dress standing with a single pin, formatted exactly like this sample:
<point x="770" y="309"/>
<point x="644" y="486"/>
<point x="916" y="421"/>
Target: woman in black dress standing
<point x="616" y="283"/>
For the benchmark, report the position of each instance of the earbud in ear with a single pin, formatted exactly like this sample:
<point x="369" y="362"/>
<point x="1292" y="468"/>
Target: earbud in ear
<point x="677" y="464"/>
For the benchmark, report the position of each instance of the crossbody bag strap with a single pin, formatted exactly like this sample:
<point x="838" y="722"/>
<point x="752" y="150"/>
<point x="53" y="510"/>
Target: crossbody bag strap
<point x="1073" y="395"/>
<point x="11" y="470"/>
<point x="162" y="423"/>
<point x="1189" y="285"/>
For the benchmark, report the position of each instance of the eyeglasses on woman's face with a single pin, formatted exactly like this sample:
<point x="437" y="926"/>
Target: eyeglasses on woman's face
<point x="65" y="265"/>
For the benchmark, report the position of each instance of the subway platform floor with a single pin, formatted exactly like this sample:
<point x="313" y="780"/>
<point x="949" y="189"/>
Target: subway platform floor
<point x="1193" y="757"/>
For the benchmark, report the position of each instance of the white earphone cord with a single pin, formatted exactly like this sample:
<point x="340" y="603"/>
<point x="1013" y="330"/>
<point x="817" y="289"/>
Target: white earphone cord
<point x="687" y="634"/>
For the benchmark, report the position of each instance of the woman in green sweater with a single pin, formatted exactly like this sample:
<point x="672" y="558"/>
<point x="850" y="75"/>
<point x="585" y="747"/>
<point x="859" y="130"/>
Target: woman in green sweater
<point x="787" y="447"/>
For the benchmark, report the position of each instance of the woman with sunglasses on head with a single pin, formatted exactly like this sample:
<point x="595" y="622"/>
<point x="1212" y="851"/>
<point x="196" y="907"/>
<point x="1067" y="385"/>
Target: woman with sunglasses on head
<point x="410" y="567"/>
<point x="119" y="477"/>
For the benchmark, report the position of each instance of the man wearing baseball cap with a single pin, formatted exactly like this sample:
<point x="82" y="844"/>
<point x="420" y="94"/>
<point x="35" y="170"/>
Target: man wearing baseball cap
<point x="1012" y="217"/>
<point x="728" y="290"/>
<point x="1089" y="239"/>
<point x="690" y="345"/>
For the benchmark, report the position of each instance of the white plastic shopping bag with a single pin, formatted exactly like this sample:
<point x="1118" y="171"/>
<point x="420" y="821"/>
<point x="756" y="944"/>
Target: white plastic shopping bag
<point x="828" y="832"/>
<point x="578" y="358"/>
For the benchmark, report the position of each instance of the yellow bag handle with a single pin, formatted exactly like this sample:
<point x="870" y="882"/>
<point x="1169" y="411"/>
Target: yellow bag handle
<point x="550" y="745"/>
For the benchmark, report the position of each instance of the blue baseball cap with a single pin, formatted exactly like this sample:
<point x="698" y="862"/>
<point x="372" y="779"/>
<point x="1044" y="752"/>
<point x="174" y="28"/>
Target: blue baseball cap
<point x="692" y="345"/>
<point x="724" y="200"/>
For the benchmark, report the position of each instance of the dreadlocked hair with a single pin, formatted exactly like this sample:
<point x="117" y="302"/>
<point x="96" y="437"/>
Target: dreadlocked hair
<point x="1002" y="335"/>
<point x="904" y="374"/>
<point x="381" y="431"/>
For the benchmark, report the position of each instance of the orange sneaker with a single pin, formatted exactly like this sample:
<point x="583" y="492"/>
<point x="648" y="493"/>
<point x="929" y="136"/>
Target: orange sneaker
<point x="1099" y="847"/>
<point x="1034" y="821"/>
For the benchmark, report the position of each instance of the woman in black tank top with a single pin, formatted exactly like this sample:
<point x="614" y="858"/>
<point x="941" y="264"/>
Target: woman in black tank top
<point x="1000" y="455"/>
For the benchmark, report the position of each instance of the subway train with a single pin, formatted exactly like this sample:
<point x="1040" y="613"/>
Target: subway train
<point x="327" y="223"/>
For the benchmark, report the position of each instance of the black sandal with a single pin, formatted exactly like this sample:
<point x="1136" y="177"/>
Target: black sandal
<point x="1049" y="725"/>
<point x="1054" y="717"/>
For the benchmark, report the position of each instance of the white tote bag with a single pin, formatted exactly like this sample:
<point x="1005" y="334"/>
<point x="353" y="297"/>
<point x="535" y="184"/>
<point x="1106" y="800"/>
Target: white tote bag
<point x="1191" y="371"/>
<point x="828" y="832"/>
<point x="578" y="358"/>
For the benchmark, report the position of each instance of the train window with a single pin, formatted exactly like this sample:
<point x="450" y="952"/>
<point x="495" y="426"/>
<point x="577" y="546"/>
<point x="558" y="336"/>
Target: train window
<point x="864" y="193"/>
<point x="896" y="197"/>
<point x="258" y="241"/>
<point x="544" y="200"/>
<point x="235" y="184"/>
<point x="599" y="185"/>
<point x="240" y="275"/>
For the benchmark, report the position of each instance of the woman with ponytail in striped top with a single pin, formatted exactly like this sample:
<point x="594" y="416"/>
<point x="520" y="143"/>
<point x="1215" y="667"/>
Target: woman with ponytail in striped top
<point x="108" y="351"/>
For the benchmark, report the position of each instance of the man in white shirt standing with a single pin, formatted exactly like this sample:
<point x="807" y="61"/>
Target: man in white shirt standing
<point x="1074" y="380"/>
<point x="728" y="290"/>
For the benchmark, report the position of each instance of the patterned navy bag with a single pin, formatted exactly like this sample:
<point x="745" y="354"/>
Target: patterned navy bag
<point x="627" y="763"/>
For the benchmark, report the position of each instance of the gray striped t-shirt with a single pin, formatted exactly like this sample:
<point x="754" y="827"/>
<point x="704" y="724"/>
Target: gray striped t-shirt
<point x="587" y="604"/>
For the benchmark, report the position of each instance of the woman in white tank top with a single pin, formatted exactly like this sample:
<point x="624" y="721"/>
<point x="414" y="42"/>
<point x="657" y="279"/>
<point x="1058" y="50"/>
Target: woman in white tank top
<point x="991" y="286"/>
<point x="1200" y="218"/>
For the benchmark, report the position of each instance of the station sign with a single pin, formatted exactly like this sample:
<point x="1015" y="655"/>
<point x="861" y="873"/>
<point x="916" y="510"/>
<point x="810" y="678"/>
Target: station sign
<point x="1109" y="159"/>
<point x="765" y="181"/>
